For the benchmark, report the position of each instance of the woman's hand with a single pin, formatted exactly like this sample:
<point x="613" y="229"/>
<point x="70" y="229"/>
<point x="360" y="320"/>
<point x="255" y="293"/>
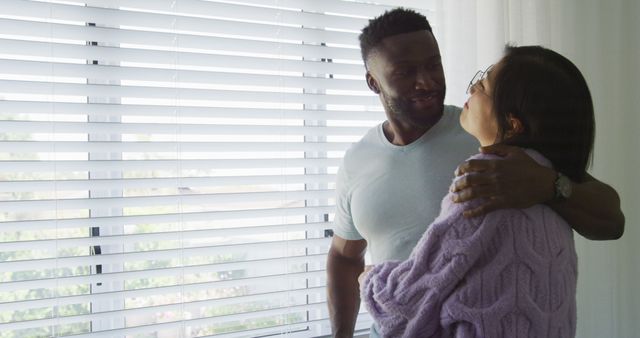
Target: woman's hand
<point x="364" y="273"/>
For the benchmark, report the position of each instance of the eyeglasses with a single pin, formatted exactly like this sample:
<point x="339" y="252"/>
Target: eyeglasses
<point x="480" y="75"/>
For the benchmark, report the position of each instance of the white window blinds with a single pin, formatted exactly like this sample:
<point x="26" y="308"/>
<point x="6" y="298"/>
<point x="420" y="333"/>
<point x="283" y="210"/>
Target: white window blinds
<point x="168" y="165"/>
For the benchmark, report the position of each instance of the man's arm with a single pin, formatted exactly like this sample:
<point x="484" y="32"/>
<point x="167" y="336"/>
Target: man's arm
<point x="593" y="209"/>
<point x="345" y="262"/>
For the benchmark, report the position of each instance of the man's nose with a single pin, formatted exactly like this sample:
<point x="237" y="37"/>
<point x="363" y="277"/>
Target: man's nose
<point x="424" y="80"/>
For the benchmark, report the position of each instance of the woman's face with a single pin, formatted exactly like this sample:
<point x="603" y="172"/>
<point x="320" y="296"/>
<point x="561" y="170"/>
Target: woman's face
<point x="478" y="117"/>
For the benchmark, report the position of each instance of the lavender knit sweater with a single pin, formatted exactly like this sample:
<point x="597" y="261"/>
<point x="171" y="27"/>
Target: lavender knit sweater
<point x="510" y="273"/>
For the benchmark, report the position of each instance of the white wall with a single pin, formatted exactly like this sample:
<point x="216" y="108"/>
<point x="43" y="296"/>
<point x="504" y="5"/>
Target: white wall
<point x="603" y="39"/>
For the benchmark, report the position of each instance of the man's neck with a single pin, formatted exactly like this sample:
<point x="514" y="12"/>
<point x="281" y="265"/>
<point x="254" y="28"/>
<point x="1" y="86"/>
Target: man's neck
<point x="402" y="134"/>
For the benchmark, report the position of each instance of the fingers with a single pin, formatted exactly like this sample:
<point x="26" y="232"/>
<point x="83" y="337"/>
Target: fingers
<point x="471" y="180"/>
<point x="474" y="192"/>
<point x="484" y="209"/>
<point x="477" y="166"/>
<point x="364" y="273"/>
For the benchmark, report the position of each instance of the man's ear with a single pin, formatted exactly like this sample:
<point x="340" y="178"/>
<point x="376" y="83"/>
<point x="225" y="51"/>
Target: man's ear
<point x="515" y="126"/>
<point x="372" y="83"/>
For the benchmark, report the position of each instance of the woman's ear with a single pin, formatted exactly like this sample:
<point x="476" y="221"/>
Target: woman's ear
<point x="515" y="127"/>
<point x="372" y="83"/>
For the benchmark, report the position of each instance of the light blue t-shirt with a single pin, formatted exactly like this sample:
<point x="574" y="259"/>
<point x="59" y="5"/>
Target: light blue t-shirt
<point x="388" y="194"/>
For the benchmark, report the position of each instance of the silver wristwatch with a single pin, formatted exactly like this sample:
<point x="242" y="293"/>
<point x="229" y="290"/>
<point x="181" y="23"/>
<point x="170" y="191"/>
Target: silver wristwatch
<point x="564" y="187"/>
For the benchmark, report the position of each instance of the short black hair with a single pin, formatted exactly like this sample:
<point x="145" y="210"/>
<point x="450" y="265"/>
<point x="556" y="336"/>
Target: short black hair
<point x="549" y="95"/>
<point x="394" y="22"/>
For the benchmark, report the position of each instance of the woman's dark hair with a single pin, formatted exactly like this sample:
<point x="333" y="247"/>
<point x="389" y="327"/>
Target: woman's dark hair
<point x="394" y="22"/>
<point x="549" y="95"/>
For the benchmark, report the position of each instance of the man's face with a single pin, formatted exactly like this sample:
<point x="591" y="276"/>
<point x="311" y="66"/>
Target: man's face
<point x="406" y="71"/>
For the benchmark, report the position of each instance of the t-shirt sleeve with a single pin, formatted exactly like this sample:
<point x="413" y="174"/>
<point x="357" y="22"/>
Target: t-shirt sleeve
<point x="343" y="221"/>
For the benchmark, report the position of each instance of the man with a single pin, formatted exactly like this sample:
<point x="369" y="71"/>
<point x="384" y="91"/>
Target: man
<point x="390" y="184"/>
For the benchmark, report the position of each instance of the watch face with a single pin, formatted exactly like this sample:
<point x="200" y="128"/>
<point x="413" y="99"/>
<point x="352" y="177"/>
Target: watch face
<point x="564" y="186"/>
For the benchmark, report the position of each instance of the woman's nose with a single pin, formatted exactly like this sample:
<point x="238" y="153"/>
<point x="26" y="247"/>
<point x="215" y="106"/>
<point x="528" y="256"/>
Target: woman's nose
<point x="472" y="89"/>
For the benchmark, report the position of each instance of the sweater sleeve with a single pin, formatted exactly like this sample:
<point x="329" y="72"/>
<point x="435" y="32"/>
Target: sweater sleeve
<point x="406" y="297"/>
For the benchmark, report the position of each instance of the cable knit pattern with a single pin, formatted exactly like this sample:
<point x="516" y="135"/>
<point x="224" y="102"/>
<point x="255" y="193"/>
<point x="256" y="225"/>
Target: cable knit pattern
<point x="510" y="273"/>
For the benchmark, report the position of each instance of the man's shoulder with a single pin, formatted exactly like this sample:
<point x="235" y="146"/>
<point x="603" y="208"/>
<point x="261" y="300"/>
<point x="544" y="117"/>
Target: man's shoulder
<point x="370" y="139"/>
<point x="363" y="149"/>
<point x="450" y="109"/>
<point x="451" y="132"/>
<point x="451" y="117"/>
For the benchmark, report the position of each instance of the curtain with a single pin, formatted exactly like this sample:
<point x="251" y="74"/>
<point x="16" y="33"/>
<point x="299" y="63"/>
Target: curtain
<point x="603" y="39"/>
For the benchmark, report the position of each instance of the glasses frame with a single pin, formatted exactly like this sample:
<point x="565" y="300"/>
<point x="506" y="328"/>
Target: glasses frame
<point x="479" y="76"/>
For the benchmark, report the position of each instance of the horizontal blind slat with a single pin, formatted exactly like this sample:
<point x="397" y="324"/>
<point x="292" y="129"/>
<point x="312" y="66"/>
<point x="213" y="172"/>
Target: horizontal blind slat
<point x="64" y="281"/>
<point x="363" y="324"/>
<point x="167" y="254"/>
<point x="174" y="128"/>
<point x="173" y="147"/>
<point x="361" y="9"/>
<point x="80" y="222"/>
<point x="77" y="52"/>
<point x="129" y="239"/>
<point x="175" y="164"/>
<point x="146" y="92"/>
<point x="168" y="75"/>
<point x="168" y="182"/>
<point x="355" y="8"/>
<point x="232" y="11"/>
<point x="185" y="288"/>
<point x="169" y="21"/>
<point x="185" y="199"/>
<point x="162" y="40"/>
<point x="238" y="11"/>
<point x="103" y="109"/>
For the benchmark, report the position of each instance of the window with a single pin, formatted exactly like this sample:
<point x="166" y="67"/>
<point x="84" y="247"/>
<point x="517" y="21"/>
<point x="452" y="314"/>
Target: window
<point x="168" y="166"/>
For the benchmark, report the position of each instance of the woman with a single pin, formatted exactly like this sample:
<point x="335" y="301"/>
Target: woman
<point x="510" y="273"/>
